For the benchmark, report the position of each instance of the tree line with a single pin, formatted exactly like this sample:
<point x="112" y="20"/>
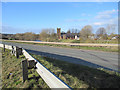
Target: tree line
<point x="49" y="34"/>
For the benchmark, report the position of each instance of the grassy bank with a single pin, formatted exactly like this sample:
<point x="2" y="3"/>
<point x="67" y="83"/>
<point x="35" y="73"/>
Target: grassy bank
<point x="107" y="49"/>
<point x="78" y="76"/>
<point x="12" y="74"/>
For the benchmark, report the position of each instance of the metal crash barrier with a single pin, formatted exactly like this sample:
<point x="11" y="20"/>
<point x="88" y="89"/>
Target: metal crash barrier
<point x="51" y="80"/>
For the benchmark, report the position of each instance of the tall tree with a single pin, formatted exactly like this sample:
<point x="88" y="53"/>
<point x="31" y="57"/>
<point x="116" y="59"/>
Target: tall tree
<point x="86" y="32"/>
<point x="43" y="35"/>
<point x="68" y="32"/>
<point x="110" y="29"/>
<point x="47" y="35"/>
<point x="29" y="36"/>
<point x="19" y="36"/>
<point x="101" y="33"/>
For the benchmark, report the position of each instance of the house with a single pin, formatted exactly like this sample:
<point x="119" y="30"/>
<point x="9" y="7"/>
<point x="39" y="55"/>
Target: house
<point x="76" y="37"/>
<point x="113" y="38"/>
<point x="91" y="37"/>
<point x="64" y="35"/>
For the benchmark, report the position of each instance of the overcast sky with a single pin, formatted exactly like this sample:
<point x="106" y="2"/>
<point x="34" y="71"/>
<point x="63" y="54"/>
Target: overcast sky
<point x="20" y="17"/>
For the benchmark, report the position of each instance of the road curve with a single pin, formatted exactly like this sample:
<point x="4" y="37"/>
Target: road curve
<point x="108" y="60"/>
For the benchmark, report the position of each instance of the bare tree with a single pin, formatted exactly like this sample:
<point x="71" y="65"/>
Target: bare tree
<point x="86" y="32"/>
<point x="77" y="31"/>
<point x="74" y="31"/>
<point x="69" y="31"/>
<point x="110" y="28"/>
<point x="43" y="35"/>
<point x="53" y="35"/>
<point x="101" y="33"/>
<point x="19" y="36"/>
<point x="47" y="35"/>
<point x="29" y="36"/>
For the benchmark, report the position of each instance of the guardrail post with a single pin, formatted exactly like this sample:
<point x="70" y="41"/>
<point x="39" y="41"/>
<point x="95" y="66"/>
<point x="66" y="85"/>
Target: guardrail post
<point x="18" y="51"/>
<point x="25" y="70"/>
<point x="4" y="47"/>
<point x="12" y="50"/>
<point x="32" y="64"/>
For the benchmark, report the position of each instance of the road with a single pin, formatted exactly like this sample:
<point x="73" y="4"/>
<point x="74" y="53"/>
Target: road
<point x="71" y="44"/>
<point x="97" y="59"/>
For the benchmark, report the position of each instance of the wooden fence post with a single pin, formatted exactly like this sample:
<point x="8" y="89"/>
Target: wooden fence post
<point x="25" y="70"/>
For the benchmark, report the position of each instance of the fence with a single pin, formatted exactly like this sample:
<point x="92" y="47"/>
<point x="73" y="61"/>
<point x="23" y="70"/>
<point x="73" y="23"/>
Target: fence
<point x="52" y="80"/>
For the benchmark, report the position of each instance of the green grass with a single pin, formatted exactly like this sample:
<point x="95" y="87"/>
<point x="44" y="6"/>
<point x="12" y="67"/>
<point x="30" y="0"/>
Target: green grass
<point x="89" y="41"/>
<point x="79" y="76"/>
<point x="106" y="49"/>
<point x="76" y="76"/>
<point x="12" y="74"/>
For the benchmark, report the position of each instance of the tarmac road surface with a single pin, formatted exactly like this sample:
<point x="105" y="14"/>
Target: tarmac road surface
<point x="97" y="59"/>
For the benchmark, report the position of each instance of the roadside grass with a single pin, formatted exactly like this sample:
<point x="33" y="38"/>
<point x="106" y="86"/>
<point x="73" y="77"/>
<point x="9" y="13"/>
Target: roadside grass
<point x="79" y="76"/>
<point x="106" y="49"/>
<point x="89" y="41"/>
<point x="12" y="73"/>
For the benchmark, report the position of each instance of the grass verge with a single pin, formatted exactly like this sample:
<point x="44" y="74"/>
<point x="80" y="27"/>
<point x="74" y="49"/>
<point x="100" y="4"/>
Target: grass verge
<point x="90" y="41"/>
<point x="106" y="49"/>
<point x="12" y="73"/>
<point x="79" y="76"/>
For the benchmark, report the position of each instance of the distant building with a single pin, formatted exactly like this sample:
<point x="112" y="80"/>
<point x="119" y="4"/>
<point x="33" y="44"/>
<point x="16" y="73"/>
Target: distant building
<point x="64" y="35"/>
<point x="59" y="33"/>
<point x="113" y="38"/>
<point x="76" y="37"/>
<point x="91" y="37"/>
